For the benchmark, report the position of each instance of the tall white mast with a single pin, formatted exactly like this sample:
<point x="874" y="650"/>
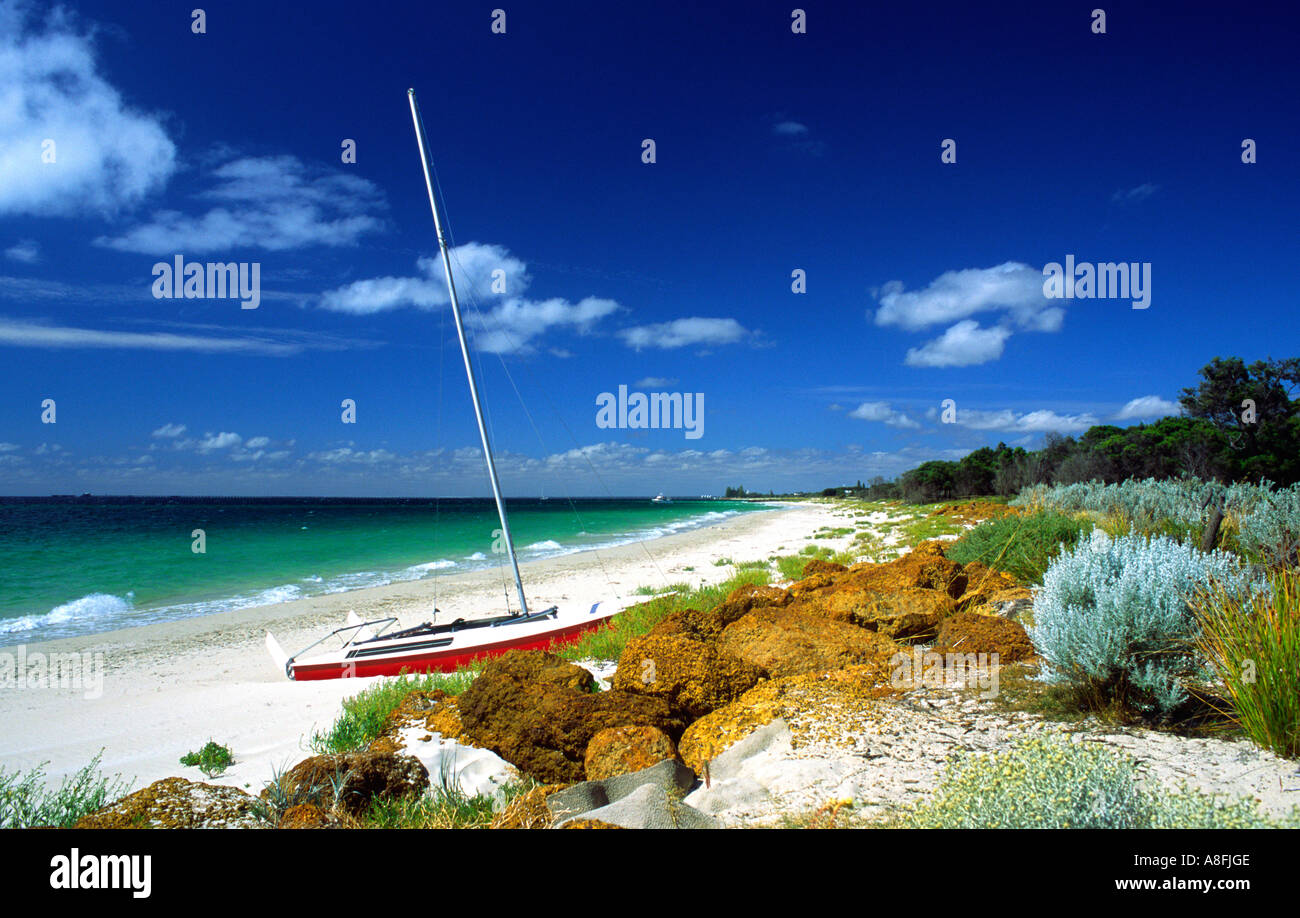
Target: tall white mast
<point x="464" y="345"/>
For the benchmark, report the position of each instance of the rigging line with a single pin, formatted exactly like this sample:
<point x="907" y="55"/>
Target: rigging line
<point x="600" y="561"/>
<point x="474" y="304"/>
<point x="505" y="332"/>
<point x="437" y="501"/>
<point x="486" y="406"/>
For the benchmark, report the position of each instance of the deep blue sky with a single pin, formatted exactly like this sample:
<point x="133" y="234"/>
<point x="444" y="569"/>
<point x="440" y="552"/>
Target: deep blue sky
<point x="775" y="152"/>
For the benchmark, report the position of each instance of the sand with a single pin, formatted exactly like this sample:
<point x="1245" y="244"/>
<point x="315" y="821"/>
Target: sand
<point x="169" y="688"/>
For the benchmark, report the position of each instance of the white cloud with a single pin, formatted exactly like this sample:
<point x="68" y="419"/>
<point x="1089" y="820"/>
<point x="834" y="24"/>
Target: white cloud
<point x="882" y="412"/>
<point x="511" y="326"/>
<point x="789" y="128"/>
<point x="472" y="263"/>
<point x="1147" y="406"/>
<point x="1040" y="421"/>
<point x="1014" y="289"/>
<point x="25" y="250"/>
<point x="963" y="345"/>
<point x="273" y="202"/>
<point x="1133" y="195"/>
<point x="684" y="333"/>
<point x="30" y="334"/>
<point x="9" y="447"/>
<point x="258" y="442"/>
<point x="223" y="440"/>
<point x="169" y="431"/>
<point x="653" y="382"/>
<point x="106" y="155"/>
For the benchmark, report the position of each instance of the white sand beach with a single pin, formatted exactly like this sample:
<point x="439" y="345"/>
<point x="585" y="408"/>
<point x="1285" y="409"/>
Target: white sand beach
<point x="169" y="688"/>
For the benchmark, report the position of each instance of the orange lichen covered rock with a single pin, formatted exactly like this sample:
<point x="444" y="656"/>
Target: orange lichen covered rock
<point x="434" y="711"/>
<point x="912" y="614"/>
<point x="790" y="641"/>
<point x="693" y="676"/>
<point x="623" y="750"/>
<point x="175" y="803"/>
<point x="836" y="701"/>
<point x="818" y="566"/>
<point x="304" y="816"/>
<point x="543" y="728"/>
<point x="971" y="632"/>
<point x="363" y="776"/>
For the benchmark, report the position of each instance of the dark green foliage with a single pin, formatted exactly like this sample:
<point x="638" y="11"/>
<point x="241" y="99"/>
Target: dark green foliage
<point x="1022" y="546"/>
<point x="212" y="759"/>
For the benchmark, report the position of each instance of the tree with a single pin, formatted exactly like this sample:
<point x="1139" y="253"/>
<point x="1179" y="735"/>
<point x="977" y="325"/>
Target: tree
<point x="1253" y="407"/>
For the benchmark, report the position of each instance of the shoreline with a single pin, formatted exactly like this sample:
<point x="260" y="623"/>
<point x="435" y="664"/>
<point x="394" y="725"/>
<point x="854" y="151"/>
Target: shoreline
<point x="169" y="687"/>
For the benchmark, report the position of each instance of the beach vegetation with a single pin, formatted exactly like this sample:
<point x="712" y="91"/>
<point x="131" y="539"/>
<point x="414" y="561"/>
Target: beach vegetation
<point x="212" y="759"/>
<point x="365" y="714"/>
<point x="1114" y="619"/>
<point x="607" y="643"/>
<point x="1021" y="545"/>
<point x="1253" y="644"/>
<point x="1055" y="782"/>
<point x="26" y="801"/>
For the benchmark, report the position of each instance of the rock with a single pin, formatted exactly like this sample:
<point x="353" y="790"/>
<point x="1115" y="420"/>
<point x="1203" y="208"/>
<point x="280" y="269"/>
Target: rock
<point x="694" y="677"/>
<point x="706" y="626"/>
<point x="544" y="728"/>
<point x="434" y="712"/>
<point x="789" y="641"/>
<point x="622" y="750"/>
<point x="544" y="668"/>
<point x="855" y="690"/>
<point x="818" y="566"/>
<point x="925" y="566"/>
<point x="911" y="614"/>
<point x="304" y="816"/>
<point x="588" y="824"/>
<point x="811" y="584"/>
<point x="528" y="810"/>
<point x="669" y="776"/>
<point x="971" y="632"/>
<point x="364" y="776"/>
<point x="175" y="803"/>
<point x="647" y="807"/>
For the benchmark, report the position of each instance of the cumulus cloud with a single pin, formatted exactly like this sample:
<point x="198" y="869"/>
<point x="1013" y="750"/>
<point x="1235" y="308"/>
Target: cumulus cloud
<point x="512" y="325"/>
<point x="1012" y="288"/>
<point x="106" y="155"/>
<point x="1147" y="406"/>
<point x="25" y="250"/>
<point x="684" y="333"/>
<point x="1041" y="421"/>
<point x="222" y="440"/>
<point x="963" y="345"/>
<point x="473" y="264"/>
<point x="882" y="412"/>
<point x="273" y="202"/>
<point x="168" y="431"/>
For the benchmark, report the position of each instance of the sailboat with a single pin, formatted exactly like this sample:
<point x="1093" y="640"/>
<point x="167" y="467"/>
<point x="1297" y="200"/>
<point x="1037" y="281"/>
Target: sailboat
<point x="368" y="648"/>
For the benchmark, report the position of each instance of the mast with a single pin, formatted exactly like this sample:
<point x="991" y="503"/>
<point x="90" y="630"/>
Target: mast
<point x="464" y="346"/>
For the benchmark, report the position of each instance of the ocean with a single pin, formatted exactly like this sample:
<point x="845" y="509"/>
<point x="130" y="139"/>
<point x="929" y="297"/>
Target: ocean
<point x="75" y="566"/>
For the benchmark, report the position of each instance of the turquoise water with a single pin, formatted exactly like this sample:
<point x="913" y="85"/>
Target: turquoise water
<point x="79" y="566"/>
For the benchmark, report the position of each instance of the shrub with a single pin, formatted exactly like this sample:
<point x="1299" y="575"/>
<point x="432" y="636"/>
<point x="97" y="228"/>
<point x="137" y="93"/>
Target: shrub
<point x="26" y="801"/>
<point x="1114" y="617"/>
<point x="1269" y="530"/>
<point x="1020" y="545"/>
<point x="1254" y="645"/>
<point x="212" y="759"/>
<point x="1053" y="782"/>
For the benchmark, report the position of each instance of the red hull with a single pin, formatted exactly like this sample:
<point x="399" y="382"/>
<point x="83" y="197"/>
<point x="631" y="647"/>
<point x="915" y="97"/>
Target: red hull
<point x="443" y="661"/>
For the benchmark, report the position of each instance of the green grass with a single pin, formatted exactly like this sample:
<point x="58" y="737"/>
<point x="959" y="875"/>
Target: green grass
<point x="212" y="759"/>
<point x="656" y="591"/>
<point x="1254" y="645"/>
<point x="26" y="801"/>
<point x="828" y="533"/>
<point x="607" y="643"/>
<point x="1023" y="546"/>
<point x="754" y="565"/>
<point x="365" y="714"/>
<point x="722" y="562"/>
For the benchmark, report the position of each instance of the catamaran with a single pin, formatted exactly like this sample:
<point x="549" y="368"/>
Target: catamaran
<point x="368" y="648"/>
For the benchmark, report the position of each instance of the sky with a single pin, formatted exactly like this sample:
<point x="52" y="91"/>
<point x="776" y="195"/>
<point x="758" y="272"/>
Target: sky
<point x="782" y="159"/>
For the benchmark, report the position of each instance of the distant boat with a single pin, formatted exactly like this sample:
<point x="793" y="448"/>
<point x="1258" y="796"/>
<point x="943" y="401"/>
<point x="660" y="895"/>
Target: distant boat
<point x="429" y="647"/>
<point x="660" y="499"/>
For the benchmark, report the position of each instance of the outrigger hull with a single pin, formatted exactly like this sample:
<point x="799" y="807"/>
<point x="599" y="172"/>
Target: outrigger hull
<point x="435" y="650"/>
